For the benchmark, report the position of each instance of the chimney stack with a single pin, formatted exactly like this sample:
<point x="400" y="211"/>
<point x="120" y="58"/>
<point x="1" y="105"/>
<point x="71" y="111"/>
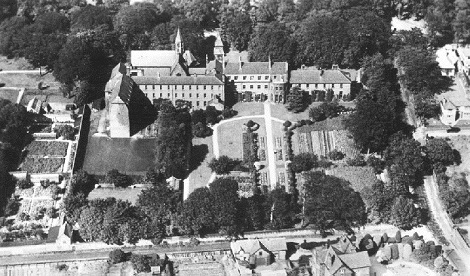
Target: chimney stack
<point x="269" y="62"/>
<point x="239" y="63"/>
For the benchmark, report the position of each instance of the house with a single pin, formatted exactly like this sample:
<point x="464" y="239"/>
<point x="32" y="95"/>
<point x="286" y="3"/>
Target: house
<point x="455" y="111"/>
<point x="261" y="80"/>
<point x="257" y="252"/>
<point x="447" y="59"/>
<point x="464" y="59"/>
<point x="61" y="234"/>
<point x="34" y="106"/>
<point x="340" y="259"/>
<point x="312" y="80"/>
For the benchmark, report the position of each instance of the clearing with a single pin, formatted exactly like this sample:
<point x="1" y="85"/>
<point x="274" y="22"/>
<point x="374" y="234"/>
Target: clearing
<point x="129" y="194"/>
<point x="10" y="94"/>
<point x="202" y="153"/>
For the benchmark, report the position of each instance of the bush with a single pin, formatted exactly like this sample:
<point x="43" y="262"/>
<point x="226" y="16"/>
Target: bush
<point x="335" y="155"/>
<point x="398" y="236"/>
<point x="65" y="131"/>
<point x="229" y="113"/>
<point x="287" y="124"/>
<point x="376" y="163"/>
<point x="12" y="207"/>
<point x="45" y="183"/>
<point x="23" y="216"/>
<point x="55" y="191"/>
<point x="202" y="130"/>
<point x="223" y="165"/>
<point x="118" y="179"/>
<point x="24" y="184"/>
<point x="62" y="267"/>
<point x="303" y="162"/>
<point x="250" y="124"/>
<point x="140" y="263"/>
<point x="117" y="256"/>
<point x="50" y="212"/>
<point x="356" y="161"/>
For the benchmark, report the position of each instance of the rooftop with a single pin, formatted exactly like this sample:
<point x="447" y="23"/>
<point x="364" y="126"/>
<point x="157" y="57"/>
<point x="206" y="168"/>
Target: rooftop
<point x="179" y="80"/>
<point x="258" y="68"/>
<point x="153" y="58"/>
<point x="318" y="76"/>
<point x="250" y="246"/>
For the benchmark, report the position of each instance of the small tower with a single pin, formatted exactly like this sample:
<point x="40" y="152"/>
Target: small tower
<point x="178" y="43"/>
<point x="219" y="49"/>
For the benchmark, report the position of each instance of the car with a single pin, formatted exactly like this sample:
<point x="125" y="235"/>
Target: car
<point x="453" y="130"/>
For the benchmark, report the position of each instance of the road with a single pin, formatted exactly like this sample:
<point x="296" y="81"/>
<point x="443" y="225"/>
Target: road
<point x="462" y="259"/>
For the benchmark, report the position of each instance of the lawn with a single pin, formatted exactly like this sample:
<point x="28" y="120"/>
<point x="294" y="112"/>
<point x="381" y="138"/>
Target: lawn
<point x="462" y="145"/>
<point x="230" y="137"/>
<point x="47" y="148"/>
<point x="279" y="111"/>
<point x="9" y="94"/>
<point x="128" y="155"/>
<point x="14" y="64"/>
<point x="29" y="80"/>
<point x="129" y="194"/>
<point x="249" y="109"/>
<point x="202" y="153"/>
<point x="359" y="177"/>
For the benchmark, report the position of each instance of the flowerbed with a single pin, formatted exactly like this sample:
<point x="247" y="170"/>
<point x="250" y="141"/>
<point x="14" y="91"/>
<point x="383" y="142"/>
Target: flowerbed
<point x="249" y="146"/>
<point x="42" y="165"/>
<point x="47" y="148"/>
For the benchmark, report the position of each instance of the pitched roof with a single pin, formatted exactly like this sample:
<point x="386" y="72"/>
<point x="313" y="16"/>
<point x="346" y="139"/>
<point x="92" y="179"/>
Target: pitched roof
<point x="233" y="68"/>
<point x="179" y="80"/>
<point x="66" y="229"/>
<point x="153" y="58"/>
<point x="356" y="260"/>
<point x="318" y="76"/>
<point x="250" y="246"/>
<point x="53" y="234"/>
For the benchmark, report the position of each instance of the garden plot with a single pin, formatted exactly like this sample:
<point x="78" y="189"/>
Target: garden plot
<point x="35" y="199"/>
<point x="43" y="165"/>
<point x="47" y="148"/>
<point x="322" y="142"/>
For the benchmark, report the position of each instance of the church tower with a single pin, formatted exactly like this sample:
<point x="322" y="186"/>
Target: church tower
<point x="178" y="43"/>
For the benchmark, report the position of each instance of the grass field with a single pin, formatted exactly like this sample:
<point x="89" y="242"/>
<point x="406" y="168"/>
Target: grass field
<point x="48" y="95"/>
<point x="230" y="137"/>
<point x="249" y="109"/>
<point x="29" y="80"/>
<point x="9" y="94"/>
<point x="14" y="64"/>
<point x="129" y="194"/>
<point x="128" y="155"/>
<point x="359" y="177"/>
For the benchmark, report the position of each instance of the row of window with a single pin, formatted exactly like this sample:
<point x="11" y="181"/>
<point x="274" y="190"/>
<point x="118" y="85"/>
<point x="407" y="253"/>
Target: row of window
<point x="204" y="87"/>
<point x="176" y="95"/>
<point x="259" y="87"/>
<point x="324" y="85"/>
<point x="253" y="77"/>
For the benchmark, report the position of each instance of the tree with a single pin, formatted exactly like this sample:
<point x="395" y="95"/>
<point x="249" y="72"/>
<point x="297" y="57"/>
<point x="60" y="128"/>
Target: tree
<point x="404" y="214"/>
<point x="324" y="111"/>
<point x="271" y="41"/>
<point x="204" y="12"/>
<point x="237" y="29"/>
<point x="11" y="40"/>
<point x="426" y="108"/>
<point x="336" y="155"/>
<point x="372" y="124"/>
<point x="223" y="164"/>
<point x="159" y="203"/>
<point x="379" y="199"/>
<point x="117" y="178"/>
<point x="24" y="184"/>
<point x="461" y="24"/>
<point x="225" y="205"/>
<point x="255" y="212"/>
<point x="331" y="200"/>
<point x="14" y="120"/>
<point x="303" y="162"/>
<point x="8" y="8"/>
<point x="197" y="214"/>
<point x="89" y="18"/>
<point x="81" y="182"/>
<point x="439" y="151"/>
<point x="140" y="263"/>
<point x="439" y="17"/>
<point x="198" y="116"/>
<point x="117" y="256"/>
<point x="296" y="100"/>
<point x="173" y="142"/>
<point x="65" y="131"/>
<point x="73" y="203"/>
<point x="280" y="209"/>
<point x="322" y="41"/>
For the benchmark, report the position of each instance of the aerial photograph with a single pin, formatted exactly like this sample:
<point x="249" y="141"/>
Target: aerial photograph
<point x="234" y="137"/>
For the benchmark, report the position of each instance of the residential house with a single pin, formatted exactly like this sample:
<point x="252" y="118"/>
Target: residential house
<point x="258" y="252"/>
<point x="455" y="111"/>
<point x="258" y="80"/>
<point x="447" y="59"/>
<point x="61" y="234"/>
<point x="312" y="80"/>
<point x="340" y="259"/>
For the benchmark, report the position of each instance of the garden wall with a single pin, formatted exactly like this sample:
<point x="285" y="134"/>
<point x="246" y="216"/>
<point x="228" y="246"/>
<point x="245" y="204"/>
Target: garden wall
<point x="82" y="140"/>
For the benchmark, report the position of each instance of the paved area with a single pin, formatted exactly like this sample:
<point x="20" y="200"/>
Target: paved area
<point x="270" y="144"/>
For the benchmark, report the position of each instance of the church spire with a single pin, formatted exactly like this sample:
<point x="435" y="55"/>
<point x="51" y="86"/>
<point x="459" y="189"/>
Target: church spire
<point x="178" y="43"/>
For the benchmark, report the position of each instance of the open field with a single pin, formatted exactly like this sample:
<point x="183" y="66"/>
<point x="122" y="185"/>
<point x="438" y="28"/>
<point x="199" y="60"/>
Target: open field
<point x="359" y="177"/>
<point x="29" y="80"/>
<point x="129" y="194"/>
<point x="9" y="94"/>
<point x="128" y="155"/>
<point x="14" y="64"/>
<point x="462" y="145"/>
<point x="249" y="109"/>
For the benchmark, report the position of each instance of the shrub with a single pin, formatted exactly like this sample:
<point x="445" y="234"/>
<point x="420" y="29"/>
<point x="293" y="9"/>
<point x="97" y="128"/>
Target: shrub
<point x="223" y="164"/>
<point x="376" y="163"/>
<point x="287" y="124"/>
<point x="55" y="191"/>
<point x="45" y="183"/>
<point x="398" y="236"/>
<point x="23" y="216"/>
<point x="303" y="162"/>
<point x="250" y="124"/>
<point x="335" y="155"/>
<point x="117" y="256"/>
<point x="140" y="263"/>
<point x="62" y="267"/>
<point x="229" y="113"/>
<point x="12" y="207"/>
<point x="65" y="131"/>
<point x="118" y="179"/>
<point x="50" y="212"/>
<point x="356" y="161"/>
<point x="24" y="184"/>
